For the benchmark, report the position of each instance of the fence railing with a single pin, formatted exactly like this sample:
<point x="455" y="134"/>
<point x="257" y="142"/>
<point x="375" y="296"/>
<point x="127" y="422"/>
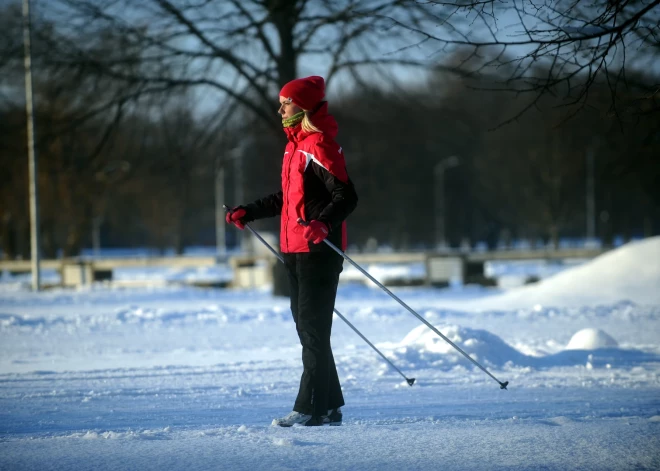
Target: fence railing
<point x="257" y="270"/>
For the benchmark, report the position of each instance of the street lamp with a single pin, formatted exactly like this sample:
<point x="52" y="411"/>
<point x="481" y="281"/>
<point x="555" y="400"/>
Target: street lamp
<point x="439" y="174"/>
<point x="35" y="243"/>
<point x="220" y="234"/>
<point x="590" y="193"/>
<point x="234" y="156"/>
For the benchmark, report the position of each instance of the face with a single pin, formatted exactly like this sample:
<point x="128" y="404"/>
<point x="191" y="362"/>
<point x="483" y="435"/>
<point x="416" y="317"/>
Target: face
<point x="288" y="108"/>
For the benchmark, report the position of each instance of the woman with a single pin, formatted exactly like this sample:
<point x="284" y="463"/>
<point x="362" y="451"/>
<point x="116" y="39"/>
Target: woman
<point x="316" y="189"/>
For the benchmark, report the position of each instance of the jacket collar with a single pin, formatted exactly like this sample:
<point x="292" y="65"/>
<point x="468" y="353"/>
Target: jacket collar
<point x="320" y="118"/>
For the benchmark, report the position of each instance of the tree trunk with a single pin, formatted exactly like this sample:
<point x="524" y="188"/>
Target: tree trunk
<point x="284" y="17"/>
<point x="23" y="241"/>
<point x="8" y="239"/>
<point x="73" y="242"/>
<point x="554" y="236"/>
<point x="48" y="241"/>
<point x="648" y="226"/>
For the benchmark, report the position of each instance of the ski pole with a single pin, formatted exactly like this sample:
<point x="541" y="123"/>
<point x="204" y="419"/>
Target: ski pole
<point x="410" y="381"/>
<point x="503" y="385"/>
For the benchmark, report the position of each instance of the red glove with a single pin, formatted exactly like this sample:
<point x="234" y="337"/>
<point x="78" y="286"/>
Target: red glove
<point x="315" y="232"/>
<point x="235" y="217"/>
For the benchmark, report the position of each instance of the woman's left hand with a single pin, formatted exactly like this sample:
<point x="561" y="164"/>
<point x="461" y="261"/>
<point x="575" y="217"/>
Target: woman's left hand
<point x="315" y="232"/>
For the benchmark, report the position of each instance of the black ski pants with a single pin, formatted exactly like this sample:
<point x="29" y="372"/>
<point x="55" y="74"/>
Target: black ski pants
<point x="313" y="279"/>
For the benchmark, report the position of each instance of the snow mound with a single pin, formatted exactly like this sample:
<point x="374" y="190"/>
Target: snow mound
<point x="423" y="346"/>
<point x="591" y="339"/>
<point x="630" y="272"/>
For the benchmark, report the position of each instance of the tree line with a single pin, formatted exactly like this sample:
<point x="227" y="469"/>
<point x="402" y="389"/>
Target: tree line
<point x="127" y="151"/>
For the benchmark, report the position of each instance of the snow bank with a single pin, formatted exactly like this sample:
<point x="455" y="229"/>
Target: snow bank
<point x="423" y="348"/>
<point x="631" y="272"/>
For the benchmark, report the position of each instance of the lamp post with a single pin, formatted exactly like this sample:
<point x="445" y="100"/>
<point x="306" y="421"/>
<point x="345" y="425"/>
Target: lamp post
<point x="234" y="157"/>
<point x="32" y="153"/>
<point x="220" y="234"/>
<point x="591" y="199"/>
<point x="439" y="174"/>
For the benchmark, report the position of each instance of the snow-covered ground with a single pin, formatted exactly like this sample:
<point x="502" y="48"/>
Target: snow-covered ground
<point x="184" y="378"/>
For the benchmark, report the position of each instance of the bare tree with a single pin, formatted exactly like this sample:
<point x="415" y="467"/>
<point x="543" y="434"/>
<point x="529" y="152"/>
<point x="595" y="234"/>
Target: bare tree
<point x="244" y="50"/>
<point x="574" y="43"/>
<point x="77" y="114"/>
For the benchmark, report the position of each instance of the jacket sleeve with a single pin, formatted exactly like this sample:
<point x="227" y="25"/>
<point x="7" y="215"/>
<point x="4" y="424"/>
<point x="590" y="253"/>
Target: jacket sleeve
<point x="267" y="207"/>
<point x="335" y="178"/>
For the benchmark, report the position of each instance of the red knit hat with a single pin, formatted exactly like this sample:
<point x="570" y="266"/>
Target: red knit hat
<point x="305" y="92"/>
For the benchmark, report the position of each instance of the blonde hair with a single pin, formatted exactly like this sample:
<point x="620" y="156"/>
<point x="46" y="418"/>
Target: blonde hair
<point x="307" y="125"/>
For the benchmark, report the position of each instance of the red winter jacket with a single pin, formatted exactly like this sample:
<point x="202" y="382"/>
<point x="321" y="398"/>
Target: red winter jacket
<point x="315" y="185"/>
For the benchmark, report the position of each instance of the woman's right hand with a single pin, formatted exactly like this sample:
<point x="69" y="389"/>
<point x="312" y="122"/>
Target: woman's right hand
<point x="235" y="216"/>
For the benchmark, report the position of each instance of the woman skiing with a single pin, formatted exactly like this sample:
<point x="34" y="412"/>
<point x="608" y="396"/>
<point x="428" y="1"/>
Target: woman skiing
<point x="315" y="189"/>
